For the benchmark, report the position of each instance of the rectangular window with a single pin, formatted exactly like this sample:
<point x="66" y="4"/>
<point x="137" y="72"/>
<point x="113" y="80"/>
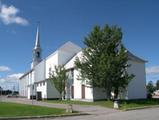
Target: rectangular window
<point x="72" y="91"/>
<point x="83" y="91"/>
<point x="49" y="71"/>
<point x="72" y="75"/>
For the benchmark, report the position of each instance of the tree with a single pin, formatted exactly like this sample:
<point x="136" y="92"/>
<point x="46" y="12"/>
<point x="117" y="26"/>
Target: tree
<point x="157" y="85"/>
<point x="1" y="89"/>
<point x="58" y="77"/>
<point x="150" y="87"/>
<point x="104" y="60"/>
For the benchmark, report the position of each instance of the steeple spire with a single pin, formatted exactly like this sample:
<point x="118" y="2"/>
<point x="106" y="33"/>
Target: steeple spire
<point x="36" y="50"/>
<point x="37" y="40"/>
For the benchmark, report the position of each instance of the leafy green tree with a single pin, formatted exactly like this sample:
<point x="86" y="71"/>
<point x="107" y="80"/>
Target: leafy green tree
<point x="59" y="77"/>
<point x="104" y="60"/>
<point x="150" y="87"/>
<point x="157" y="85"/>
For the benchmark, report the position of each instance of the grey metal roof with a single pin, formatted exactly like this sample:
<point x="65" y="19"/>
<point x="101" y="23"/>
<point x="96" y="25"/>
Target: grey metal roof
<point x="26" y="73"/>
<point x="134" y="57"/>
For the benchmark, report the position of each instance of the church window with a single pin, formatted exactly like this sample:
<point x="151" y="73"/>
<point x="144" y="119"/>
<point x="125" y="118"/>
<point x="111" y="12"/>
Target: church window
<point x="38" y="54"/>
<point x="50" y="69"/>
<point x="72" y="75"/>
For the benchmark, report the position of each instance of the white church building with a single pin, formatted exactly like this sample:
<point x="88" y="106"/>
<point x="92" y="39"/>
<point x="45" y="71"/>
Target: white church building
<point x="36" y="81"/>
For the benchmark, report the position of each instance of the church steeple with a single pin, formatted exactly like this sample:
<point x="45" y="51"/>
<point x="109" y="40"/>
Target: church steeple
<point x="37" y="40"/>
<point x="36" y="50"/>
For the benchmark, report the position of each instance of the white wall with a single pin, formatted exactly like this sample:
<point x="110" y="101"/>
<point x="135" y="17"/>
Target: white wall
<point x="51" y="91"/>
<point x="51" y="61"/>
<point x="77" y="86"/>
<point x="88" y="93"/>
<point x="23" y="86"/>
<point x="30" y="78"/>
<point x="42" y="87"/>
<point x="77" y="83"/>
<point x="59" y="57"/>
<point x="137" y="86"/>
<point x="39" y="71"/>
<point x="29" y="92"/>
<point x="24" y="82"/>
<point x="78" y="89"/>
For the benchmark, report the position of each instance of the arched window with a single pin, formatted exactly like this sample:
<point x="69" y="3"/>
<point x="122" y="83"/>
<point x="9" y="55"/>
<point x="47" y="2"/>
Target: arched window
<point x="38" y="54"/>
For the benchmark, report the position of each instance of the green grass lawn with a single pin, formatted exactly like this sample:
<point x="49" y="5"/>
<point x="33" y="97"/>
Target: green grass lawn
<point x="124" y="104"/>
<point x="14" y="110"/>
<point x="138" y="103"/>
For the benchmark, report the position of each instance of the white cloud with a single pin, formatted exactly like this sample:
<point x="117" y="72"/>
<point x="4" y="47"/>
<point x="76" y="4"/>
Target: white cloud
<point x="8" y="15"/>
<point x="2" y="80"/>
<point x="4" y="68"/>
<point x="14" y="76"/>
<point x="10" y="81"/>
<point x="152" y="70"/>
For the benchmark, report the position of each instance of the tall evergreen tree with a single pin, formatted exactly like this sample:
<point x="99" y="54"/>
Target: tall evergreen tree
<point x="58" y="77"/>
<point x="150" y="87"/>
<point x="157" y="85"/>
<point x="104" y="60"/>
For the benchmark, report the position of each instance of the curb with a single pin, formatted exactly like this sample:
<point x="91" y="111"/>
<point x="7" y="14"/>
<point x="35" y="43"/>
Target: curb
<point x="43" y="116"/>
<point x="138" y="108"/>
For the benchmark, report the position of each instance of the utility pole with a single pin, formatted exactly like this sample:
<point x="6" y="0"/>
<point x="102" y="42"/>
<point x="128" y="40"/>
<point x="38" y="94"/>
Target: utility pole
<point x="32" y="93"/>
<point x="0" y="93"/>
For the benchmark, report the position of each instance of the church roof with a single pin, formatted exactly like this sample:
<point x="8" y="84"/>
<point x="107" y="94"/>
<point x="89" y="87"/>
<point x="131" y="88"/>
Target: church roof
<point x="70" y="64"/>
<point x="133" y="57"/>
<point x="26" y="73"/>
<point x="67" y="47"/>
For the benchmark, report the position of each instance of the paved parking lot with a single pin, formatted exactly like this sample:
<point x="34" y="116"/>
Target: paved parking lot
<point x="144" y="114"/>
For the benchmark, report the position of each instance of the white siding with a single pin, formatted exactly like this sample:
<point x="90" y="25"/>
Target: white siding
<point x="40" y="71"/>
<point x="42" y="87"/>
<point x="29" y="92"/>
<point x="51" y="61"/>
<point x="78" y="89"/>
<point x="51" y="91"/>
<point x="23" y="86"/>
<point x="88" y="93"/>
<point x="137" y="86"/>
<point x="77" y="86"/>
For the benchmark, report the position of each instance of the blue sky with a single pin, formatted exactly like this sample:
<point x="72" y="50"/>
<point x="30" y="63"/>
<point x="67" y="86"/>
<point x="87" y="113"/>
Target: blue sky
<point x="72" y="20"/>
